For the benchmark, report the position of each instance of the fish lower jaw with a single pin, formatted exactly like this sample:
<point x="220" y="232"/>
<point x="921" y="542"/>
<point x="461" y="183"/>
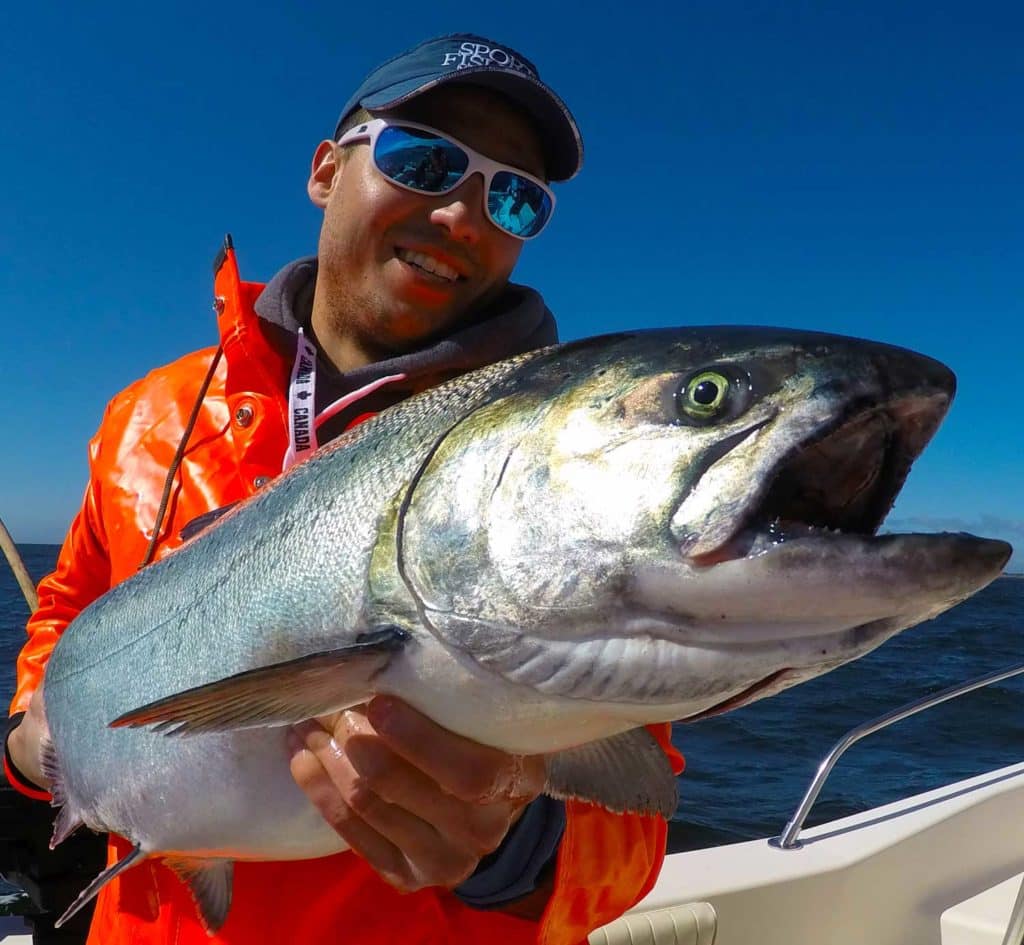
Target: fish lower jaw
<point x="754" y="541"/>
<point x="802" y="576"/>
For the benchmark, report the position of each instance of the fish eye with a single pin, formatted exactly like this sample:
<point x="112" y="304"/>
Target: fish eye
<point x="713" y="394"/>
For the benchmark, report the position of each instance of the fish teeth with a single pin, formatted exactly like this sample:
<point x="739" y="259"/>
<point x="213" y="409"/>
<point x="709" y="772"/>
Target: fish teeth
<point x="423" y="261"/>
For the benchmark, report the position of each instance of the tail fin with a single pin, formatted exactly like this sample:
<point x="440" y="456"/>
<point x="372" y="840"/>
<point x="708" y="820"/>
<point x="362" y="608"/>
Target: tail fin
<point x="68" y="820"/>
<point x="51" y="768"/>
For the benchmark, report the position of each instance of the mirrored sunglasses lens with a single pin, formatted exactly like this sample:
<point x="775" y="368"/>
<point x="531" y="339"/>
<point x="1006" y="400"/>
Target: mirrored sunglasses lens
<point x="517" y="204"/>
<point x="419" y="159"/>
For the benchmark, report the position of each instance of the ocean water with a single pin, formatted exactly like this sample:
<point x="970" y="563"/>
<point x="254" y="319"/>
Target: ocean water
<point x="747" y="770"/>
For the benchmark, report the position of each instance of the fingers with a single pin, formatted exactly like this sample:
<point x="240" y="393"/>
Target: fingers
<point x="312" y="777"/>
<point x="478" y="828"/>
<point x="413" y="832"/>
<point x="464" y="768"/>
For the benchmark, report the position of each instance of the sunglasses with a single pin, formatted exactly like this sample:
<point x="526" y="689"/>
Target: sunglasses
<point x="426" y="161"/>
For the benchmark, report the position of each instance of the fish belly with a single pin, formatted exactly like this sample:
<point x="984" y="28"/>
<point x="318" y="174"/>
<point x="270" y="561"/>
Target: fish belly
<point x="225" y="795"/>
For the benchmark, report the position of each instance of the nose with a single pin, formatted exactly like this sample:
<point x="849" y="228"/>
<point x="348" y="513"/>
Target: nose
<point x="462" y="211"/>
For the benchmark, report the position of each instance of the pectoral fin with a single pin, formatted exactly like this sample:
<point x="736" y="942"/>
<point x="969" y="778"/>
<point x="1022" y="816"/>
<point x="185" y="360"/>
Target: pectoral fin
<point x="281" y="694"/>
<point x="209" y="881"/>
<point x="626" y="772"/>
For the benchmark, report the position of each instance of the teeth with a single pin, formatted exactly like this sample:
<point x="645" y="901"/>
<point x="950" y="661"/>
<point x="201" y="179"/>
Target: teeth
<point x="423" y="261"/>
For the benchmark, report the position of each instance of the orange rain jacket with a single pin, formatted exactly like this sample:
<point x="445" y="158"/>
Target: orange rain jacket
<point x="605" y="862"/>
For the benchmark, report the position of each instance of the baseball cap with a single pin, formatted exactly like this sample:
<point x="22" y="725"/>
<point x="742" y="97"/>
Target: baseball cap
<point x="466" y="58"/>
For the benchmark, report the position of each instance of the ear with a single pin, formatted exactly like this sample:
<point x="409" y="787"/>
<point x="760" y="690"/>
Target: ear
<point x="325" y="173"/>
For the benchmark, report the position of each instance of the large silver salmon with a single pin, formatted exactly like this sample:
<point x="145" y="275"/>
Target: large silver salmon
<point x="543" y="556"/>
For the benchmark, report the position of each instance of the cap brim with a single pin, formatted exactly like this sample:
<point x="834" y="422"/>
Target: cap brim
<point x="563" y="144"/>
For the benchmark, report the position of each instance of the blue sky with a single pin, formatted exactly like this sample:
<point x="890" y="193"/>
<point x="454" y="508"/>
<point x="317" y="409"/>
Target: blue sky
<point x="851" y="167"/>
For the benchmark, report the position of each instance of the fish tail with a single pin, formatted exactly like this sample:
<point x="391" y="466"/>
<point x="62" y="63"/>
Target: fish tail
<point x="66" y="823"/>
<point x="68" y="819"/>
<point x="52" y="770"/>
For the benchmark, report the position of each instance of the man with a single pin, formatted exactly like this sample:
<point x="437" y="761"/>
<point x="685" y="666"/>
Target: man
<point x="451" y="840"/>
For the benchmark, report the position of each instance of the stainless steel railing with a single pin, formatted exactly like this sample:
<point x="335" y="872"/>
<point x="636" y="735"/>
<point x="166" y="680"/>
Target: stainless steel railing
<point x="788" y="839"/>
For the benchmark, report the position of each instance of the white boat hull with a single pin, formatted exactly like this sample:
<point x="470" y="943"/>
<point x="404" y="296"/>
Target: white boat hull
<point x="922" y="870"/>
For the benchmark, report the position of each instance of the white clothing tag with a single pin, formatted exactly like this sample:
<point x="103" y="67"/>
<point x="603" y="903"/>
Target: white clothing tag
<point x="301" y="403"/>
<point x="302" y="422"/>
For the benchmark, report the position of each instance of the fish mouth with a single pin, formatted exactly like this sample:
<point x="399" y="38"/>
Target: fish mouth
<point x="843" y="479"/>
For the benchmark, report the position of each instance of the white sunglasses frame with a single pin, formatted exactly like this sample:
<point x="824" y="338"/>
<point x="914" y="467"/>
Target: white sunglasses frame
<point x="478" y="163"/>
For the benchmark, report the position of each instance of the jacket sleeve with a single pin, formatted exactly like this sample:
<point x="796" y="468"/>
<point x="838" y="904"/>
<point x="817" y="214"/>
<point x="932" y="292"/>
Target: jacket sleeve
<point x="82" y="574"/>
<point x="606" y="863"/>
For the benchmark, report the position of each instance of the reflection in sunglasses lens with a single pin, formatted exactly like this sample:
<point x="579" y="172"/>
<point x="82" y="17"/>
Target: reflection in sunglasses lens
<point x="430" y="164"/>
<point x="517" y="205"/>
<point x="419" y="159"/>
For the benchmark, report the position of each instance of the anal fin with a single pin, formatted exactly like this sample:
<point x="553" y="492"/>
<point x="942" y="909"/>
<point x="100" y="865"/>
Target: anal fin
<point x="209" y="881"/>
<point x="90" y="891"/>
<point x="279" y="694"/>
<point x="626" y="772"/>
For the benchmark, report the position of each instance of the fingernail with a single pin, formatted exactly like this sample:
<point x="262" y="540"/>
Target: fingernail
<point x="335" y="749"/>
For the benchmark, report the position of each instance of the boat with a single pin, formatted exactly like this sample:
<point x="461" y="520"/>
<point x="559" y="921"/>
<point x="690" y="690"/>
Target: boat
<point x="944" y="867"/>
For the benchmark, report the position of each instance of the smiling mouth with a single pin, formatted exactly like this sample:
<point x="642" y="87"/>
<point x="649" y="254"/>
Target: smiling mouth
<point x="434" y="268"/>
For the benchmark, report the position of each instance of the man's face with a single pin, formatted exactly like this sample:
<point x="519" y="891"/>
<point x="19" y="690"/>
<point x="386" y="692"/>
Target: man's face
<point x="371" y="294"/>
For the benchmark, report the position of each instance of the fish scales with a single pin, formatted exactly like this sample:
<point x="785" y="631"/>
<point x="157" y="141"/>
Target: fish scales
<point x="154" y="640"/>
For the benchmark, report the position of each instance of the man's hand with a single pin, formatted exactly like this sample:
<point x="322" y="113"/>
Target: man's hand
<point x="24" y="741"/>
<point x="420" y="804"/>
